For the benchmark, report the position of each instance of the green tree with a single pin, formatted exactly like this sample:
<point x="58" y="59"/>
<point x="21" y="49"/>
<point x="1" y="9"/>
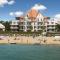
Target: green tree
<point x="2" y="22"/>
<point x="7" y="26"/>
<point x="57" y="28"/>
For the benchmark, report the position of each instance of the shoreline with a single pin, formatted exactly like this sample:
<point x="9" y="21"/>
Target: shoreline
<point x="46" y="45"/>
<point x="39" y="40"/>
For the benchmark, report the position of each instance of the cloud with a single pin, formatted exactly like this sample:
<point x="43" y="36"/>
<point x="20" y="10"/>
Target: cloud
<point x="17" y="13"/>
<point x="39" y="7"/>
<point x="11" y="14"/>
<point x="57" y="16"/>
<point x="11" y="2"/>
<point x="4" y="2"/>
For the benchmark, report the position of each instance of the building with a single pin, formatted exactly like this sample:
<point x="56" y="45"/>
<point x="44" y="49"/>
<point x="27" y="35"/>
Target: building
<point x="2" y="27"/>
<point x="51" y="25"/>
<point x="14" y="25"/>
<point x="33" y="21"/>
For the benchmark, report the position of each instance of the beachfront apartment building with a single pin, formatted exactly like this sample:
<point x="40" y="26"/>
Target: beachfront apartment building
<point x="14" y="25"/>
<point x="27" y="25"/>
<point x="51" y="25"/>
<point x="33" y="21"/>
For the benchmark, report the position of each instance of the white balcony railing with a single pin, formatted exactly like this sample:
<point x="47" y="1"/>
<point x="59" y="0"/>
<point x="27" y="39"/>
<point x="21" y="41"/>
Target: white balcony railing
<point x="14" y="27"/>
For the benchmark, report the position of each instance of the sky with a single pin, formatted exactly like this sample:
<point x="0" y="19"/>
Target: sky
<point x="10" y="8"/>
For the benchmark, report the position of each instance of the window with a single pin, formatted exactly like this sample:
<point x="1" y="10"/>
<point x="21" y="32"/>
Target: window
<point x="52" y="22"/>
<point x="29" y="23"/>
<point x="52" y="25"/>
<point x="48" y="30"/>
<point x="34" y="26"/>
<point x="52" y="29"/>
<point x="41" y="19"/>
<point x="38" y="23"/>
<point x="39" y="27"/>
<point x="47" y="22"/>
<point x="14" y="22"/>
<point x="14" y="26"/>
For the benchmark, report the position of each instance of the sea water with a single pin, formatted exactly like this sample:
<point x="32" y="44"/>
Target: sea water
<point x="29" y="52"/>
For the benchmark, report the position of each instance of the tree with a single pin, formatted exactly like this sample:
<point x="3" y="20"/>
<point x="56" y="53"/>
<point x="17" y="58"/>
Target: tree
<point x="57" y="28"/>
<point x="2" y="22"/>
<point x="7" y="26"/>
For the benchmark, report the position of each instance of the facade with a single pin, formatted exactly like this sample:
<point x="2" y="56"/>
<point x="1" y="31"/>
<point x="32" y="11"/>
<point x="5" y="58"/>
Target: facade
<point x="33" y="21"/>
<point x="51" y="25"/>
<point x="2" y="27"/>
<point x="28" y="25"/>
<point x="14" y="25"/>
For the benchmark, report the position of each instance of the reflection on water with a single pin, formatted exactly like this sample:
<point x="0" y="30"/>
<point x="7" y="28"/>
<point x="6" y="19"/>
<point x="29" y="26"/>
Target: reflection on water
<point x="29" y="52"/>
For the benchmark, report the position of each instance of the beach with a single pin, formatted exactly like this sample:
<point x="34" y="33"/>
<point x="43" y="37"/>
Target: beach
<point x="28" y="40"/>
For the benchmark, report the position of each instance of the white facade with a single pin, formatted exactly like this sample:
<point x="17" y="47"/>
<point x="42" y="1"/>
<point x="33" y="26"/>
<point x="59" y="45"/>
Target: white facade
<point x="14" y="25"/>
<point x="51" y="23"/>
<point x="26" y="24"/>
<point x="36" y="25"/>
<point x="2" y="27"/>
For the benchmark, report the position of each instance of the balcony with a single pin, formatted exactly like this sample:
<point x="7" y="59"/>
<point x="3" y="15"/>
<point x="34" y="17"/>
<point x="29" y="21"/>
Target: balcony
<point x="51" y="27"/>
<point x="14" y="24"/>
<point x="39" y="29"/>
<point x="14" y="27"/>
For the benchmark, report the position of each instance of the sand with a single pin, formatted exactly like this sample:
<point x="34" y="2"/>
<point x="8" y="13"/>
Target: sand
<point x="29" y="40"/>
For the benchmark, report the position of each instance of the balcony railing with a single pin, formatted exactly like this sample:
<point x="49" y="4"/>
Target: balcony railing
<point x="14" y="27"/>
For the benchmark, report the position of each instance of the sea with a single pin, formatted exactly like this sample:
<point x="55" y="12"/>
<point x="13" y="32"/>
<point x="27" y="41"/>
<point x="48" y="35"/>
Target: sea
<point x="29" y="52"/>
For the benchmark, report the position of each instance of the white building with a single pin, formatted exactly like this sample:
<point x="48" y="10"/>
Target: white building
<point x="2" y="27"/>
<point x="14" y="25"/>
<point x="25" y="24"/>
<point x="51" y="25"/>
<point x="33" y="21"/>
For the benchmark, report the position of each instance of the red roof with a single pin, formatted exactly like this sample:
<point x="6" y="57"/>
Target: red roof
<point x="32" y="14"/>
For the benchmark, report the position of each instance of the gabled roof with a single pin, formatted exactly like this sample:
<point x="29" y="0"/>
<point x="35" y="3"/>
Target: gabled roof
<point x="32" y="14"/>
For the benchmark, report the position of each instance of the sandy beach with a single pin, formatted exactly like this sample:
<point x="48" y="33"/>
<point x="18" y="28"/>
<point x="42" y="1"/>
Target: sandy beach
<point x="29" y="40"/>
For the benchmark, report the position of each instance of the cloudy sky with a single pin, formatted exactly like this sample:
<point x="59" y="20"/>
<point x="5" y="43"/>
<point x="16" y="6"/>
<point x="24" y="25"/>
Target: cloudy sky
<point x="11" y="8"/>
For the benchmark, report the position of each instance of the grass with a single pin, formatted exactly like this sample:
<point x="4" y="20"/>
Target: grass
<point x="11" y="33"/>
